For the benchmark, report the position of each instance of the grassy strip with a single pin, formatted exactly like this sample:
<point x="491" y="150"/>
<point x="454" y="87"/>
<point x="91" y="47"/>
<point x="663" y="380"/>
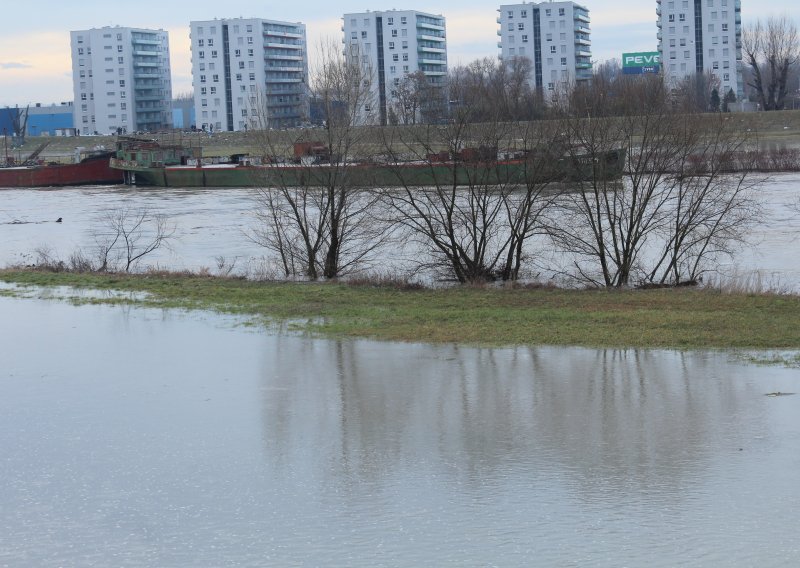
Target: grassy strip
<point x="674" y="318"/>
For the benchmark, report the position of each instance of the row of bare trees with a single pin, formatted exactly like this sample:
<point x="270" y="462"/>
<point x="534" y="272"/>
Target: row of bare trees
<point x="480" y="197"/>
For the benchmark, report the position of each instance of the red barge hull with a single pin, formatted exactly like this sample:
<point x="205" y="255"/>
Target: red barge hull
<point x="90" y="171"/>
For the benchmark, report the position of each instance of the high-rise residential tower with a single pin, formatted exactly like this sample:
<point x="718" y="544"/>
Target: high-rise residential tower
<point x="699" y="36"/>
<point x="121" y="80"/>
<point x="249" y="73"/>
<point x="394" y="44"/>
<point x="554" y="36"/>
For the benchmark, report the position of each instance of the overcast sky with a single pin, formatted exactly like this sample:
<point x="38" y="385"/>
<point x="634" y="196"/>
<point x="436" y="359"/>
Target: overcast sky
<point x="35" y="62"/>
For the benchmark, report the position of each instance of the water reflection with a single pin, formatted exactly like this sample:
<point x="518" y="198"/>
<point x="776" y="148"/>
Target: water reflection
<point x="645" y="416"/>
<point x="136" y="437"/>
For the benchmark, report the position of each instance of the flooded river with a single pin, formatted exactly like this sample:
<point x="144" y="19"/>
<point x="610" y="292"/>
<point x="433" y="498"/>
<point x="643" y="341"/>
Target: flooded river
<point x="139" y="437"/>
<point x="213" y="223"/>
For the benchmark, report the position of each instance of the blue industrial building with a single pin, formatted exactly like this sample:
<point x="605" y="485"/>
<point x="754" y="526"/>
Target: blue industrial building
<point x="49" y="120"/>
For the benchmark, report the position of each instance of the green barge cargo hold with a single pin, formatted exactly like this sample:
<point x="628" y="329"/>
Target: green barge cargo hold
<point x="149" y="163"/>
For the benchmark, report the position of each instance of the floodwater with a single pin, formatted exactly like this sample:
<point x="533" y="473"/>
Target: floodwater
<point x="140" y="437"/>
<point x="214" y="223"/>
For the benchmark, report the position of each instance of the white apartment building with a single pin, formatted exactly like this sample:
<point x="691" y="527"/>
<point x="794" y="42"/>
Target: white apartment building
<point x="249" y="73"/>
<point x="393" y="44"/>
<point x="698" y="36"/>
<point x="555" y="36"/>
<point x="121" y="80"/>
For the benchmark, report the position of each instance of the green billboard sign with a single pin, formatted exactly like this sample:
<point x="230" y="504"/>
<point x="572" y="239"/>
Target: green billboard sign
<point x="641" y="62"/>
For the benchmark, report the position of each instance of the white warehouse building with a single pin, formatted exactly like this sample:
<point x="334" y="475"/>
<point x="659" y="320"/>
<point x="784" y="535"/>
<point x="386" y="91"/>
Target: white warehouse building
<point x="555" y="36"/>
<point x="696" y="37"/>
<point x="394" y="44"/>
<point x="121" y="80"/>
<point x="249" y="73"/>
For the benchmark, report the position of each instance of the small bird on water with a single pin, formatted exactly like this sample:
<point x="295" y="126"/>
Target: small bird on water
<point x="58" y="220"/>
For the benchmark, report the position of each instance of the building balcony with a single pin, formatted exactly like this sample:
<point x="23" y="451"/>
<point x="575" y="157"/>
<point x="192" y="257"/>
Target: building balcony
<point x="431" y="50"/>
<point x="282" y="57"/>
<point x="428" y="26"/>
<point x="150" y="64"/>
<point x="433" y="61"/>
<point x="145" y="53"/>
<point x="582" y="41"/>
<point x="284" y="80"/>
<point x="434" y="73"/>
<point x="582" y="18"/>
<point x="432" y="38"/>
<point x="294" y="46"/>
<point x="582" y="29"/>
<point x="583" y="66"/>
<point x="135" y="41"/>
<point x="271" y="33"/>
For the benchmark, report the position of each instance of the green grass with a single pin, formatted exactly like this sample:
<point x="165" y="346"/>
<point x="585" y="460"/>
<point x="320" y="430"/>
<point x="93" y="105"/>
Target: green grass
<point x="666" y="318"/>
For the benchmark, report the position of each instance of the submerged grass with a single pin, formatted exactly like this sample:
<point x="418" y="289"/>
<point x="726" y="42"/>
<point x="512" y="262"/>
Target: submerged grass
<point x="669" y="318"/>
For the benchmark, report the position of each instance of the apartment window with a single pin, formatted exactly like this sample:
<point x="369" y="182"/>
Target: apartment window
<point x="210" y="42"/>
<point x="395" y="57"/>
<point x="121" y="60"/>
<point x="249" y="28"/>
<point x="215" y="78"/>
<point x="122" y="83"/>
<point x="238" y="76"/>
<point x="672" y="43"/>
<point x="510" y="14"/>
<point x="83" y="96"/>
<point x="524" y="39"/>
<point x="244" y="112"/>
<point x="366" y="21"/>
<point x="724" y="40"/>
<point x="353" y="22"/>
<point x="511" y="26"/>
<point x="213" y="90"/>
<point x="353" y="35"/>
<point x="683" y="42"/>
<point x="80" y="39"/>
<point x="392" y="69"/>
<point x="119" y="48"/>
<point x="563" y="61"/>
<point x="552" y="49"/>
<point x="521" y="26"/>
<point x="83" y="74"/>
<point x="203" y="90"/>
<point x="391" y="45"/>
<point x="715" y="65"/>
<point x="200" y="42"/>
<point x="724" y="27"/>
<point x="405" y="45"/>
<point x="363" y="35"/>
<point x="204" y="102"/>
<point x="202" y="67"/>
<point x="213" y="30"/>
<point x="681" y="17"/>
<point x="390" y="21"/>
<point x="252" y="76"/>
<point x="250" y="53"/>
<point x="405" y="57"/>
<point x="201" y="54"/>
<point x="394" y="33"/>
<point x="726" y="77"/>
<point x="549" y="37"/>
<point x="241" y="65"/>
<point x="80" y="62"/>
<point x="512" y="39"/>
<point x="686" y="54"/>
<point x="250" y="40"/>
<point x="551" y="86"/>
<point x="80" y="51"/>
<point x="202" y="78"/>
<point x="671" y="18"/>
<point x="213" y="54"/>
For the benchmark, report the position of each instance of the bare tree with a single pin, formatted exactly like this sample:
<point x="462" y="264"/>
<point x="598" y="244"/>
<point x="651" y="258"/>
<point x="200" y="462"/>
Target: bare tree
<point x="129" y="235"/>
<point x="678" y="204"/>
<point x="314" y="212"/>
<point x="770" y="50"/>
<point x="470" y="194"/>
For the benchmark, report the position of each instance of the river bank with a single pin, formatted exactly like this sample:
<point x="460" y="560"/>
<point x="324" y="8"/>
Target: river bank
<point x="665" y="318"/>
<point x="771" y="130"/>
